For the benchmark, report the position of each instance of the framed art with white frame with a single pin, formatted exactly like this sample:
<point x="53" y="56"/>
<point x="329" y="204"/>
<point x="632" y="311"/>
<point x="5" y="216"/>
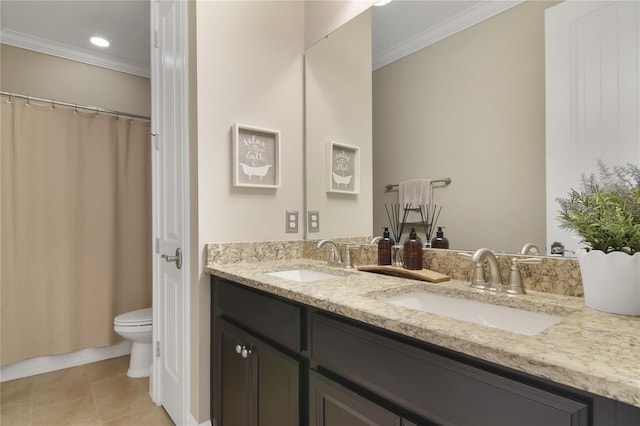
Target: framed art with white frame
<point x="256" y="157"/>
<point x="344" y="168"/>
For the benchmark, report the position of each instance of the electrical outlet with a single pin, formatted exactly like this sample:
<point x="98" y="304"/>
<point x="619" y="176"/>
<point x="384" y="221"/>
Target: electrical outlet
<point x="314" y="221"/>
<point x="292" y="222"/>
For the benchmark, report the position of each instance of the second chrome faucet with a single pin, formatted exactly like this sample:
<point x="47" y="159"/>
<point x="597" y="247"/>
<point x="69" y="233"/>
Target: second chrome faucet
<point x="514" y="286"/>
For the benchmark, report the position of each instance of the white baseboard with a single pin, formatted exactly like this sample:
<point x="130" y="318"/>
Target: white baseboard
<point x="191" y="421"/>
<point x="45" y="364"/>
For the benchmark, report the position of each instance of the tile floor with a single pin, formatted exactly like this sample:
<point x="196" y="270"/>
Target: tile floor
<point x="98" y="394"/>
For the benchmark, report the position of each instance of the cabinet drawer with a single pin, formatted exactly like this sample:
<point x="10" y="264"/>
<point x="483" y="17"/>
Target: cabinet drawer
<point x="262" y="314"/>
<point x="438" y="388"/>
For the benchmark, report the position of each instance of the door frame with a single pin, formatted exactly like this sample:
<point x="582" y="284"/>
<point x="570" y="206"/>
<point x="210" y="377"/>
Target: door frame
<point x="158" y="315"/>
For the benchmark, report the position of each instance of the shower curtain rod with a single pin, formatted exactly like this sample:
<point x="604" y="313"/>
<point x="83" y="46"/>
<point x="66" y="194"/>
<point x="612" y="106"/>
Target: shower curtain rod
<point x="75" y="106"/>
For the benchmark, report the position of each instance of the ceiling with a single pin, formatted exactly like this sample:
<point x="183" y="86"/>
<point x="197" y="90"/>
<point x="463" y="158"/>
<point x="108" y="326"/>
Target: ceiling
<point x="63" y="28"/>
<point x="403" y="27"/>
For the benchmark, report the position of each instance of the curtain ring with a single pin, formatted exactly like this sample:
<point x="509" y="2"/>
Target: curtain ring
<point x="53" y="105"/>
<point x="9" y="99"/>
<point x="28" y="104"/>
<point x="75" y="109"/>
<point x="97" y="113"/>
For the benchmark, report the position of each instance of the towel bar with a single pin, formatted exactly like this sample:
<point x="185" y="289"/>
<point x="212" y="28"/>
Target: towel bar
<point x="446" y="181"/>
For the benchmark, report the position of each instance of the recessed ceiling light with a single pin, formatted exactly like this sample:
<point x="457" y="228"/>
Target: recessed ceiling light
<point x="99" y="41"/>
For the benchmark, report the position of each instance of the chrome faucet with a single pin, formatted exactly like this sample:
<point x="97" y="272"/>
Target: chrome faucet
<point x="335" y="255"/>
<point x="530" y="248"/>
<point x="514" y="286"/>
<point x="479" y="281"/>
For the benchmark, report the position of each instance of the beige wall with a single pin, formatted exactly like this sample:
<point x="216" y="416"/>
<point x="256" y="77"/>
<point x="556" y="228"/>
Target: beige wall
<point x="36" y="74"/>
<point x="249" y="71"/>
<point x="338" y="109"/>
<point x="470" y="107"/>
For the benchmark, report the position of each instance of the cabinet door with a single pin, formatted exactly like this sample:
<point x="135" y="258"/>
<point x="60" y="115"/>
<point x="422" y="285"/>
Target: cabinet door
<point x="256" y="384"/>
<point x="234" y="379"/>
<point x="278" y="386"/>
<point x="333" y="405"/>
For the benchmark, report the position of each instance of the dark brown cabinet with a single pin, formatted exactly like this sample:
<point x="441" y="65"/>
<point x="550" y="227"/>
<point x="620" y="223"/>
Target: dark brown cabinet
<point x="280" y="363"/>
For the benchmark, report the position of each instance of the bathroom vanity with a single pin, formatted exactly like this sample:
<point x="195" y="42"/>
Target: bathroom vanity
<point x="334" y="352"/>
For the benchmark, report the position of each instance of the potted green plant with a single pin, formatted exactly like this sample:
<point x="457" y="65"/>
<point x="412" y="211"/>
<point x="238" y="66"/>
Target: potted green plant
<point x="606" y="214"/>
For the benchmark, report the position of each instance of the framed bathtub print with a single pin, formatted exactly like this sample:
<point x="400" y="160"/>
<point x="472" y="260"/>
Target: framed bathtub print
<point x="344" y="168"/>
<point x="256" y="157"/>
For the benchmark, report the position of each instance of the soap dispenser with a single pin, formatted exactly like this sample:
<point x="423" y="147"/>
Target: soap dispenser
<point x="440" y="241"/>
<point x="384" y="248"/>
<point x="413" y="251"/>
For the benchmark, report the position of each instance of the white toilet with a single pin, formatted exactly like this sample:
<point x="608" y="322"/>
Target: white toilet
<point x="136" y="326"/>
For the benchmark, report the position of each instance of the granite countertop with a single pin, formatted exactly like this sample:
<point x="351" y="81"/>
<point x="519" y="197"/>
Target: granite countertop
<point x="588" y="350"/>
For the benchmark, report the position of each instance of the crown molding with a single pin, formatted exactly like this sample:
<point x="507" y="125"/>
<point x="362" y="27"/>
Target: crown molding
<point x="38" y="44"/>
<point x="463" y="20"/>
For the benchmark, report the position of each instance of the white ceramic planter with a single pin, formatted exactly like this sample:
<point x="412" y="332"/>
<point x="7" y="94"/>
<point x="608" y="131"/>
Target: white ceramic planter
<point x="611" y="281"/>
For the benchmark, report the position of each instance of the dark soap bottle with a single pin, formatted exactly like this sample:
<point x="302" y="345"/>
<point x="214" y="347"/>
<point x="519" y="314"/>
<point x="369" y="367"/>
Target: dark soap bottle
<point x="440" y="241"/>
<point x="413" y="251"/>
<point x="384" y="248"/>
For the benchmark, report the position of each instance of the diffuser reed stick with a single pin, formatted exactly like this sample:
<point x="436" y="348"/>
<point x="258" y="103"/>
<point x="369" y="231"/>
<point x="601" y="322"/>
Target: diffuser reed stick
<point x="429" y="226"/>
<point x="395" y="223"/>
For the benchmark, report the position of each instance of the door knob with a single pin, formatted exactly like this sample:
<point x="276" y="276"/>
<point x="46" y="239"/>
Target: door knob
<point x="177" y="258"/>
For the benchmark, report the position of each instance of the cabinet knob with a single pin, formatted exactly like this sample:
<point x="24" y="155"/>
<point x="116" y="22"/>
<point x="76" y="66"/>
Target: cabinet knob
<point x="243" y="351"/>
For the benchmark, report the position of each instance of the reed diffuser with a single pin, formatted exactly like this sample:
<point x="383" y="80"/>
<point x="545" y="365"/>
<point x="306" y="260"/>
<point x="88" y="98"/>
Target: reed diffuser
<point x="429" y="225"/>
<point x="397" y="228"/>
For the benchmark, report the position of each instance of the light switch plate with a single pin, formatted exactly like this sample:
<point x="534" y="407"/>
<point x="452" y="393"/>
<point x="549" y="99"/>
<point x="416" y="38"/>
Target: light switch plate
<point x="313" y="221"/>
<point x="291" y="224"/>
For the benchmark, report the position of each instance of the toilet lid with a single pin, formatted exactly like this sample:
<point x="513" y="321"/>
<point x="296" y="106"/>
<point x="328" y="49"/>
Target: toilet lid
<point x="139" y="317"/>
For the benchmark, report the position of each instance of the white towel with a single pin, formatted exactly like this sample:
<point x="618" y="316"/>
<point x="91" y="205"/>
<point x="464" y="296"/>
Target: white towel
<point x="416" y="193"/>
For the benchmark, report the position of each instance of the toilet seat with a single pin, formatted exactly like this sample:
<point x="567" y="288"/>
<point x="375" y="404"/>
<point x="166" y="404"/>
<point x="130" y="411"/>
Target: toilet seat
<point x="137" y="318"/>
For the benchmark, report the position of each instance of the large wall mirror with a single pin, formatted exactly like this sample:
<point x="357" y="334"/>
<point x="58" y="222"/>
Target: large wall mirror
<point x="470" y="107"/>
<point x="338" y="111"/>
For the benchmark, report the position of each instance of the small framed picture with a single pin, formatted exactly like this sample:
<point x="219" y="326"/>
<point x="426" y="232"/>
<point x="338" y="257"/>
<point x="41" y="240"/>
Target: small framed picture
<point x="344" y="168"/>
<point x="256" y="157"/>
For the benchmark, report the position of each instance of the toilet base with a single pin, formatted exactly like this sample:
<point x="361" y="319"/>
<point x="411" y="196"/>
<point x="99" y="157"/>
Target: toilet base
<point x="140" y="361"/>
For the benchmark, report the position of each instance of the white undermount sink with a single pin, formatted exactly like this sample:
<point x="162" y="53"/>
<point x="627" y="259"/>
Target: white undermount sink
<point x="496" y="316"/>
<point x="302" y="275"/>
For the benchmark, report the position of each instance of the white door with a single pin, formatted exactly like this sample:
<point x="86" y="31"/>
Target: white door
<point x="170" y="385"/>
<point x="592" y="96"/>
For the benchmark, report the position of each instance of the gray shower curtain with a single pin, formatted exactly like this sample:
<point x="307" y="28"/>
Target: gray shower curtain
<point x="75" y="233"/>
